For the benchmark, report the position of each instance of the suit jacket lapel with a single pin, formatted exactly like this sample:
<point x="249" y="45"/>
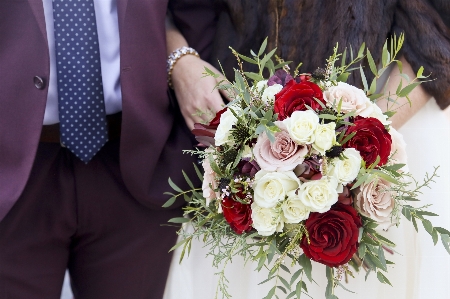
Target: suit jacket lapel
<point x="121" y="11"/>
<point x="37" y="6"/>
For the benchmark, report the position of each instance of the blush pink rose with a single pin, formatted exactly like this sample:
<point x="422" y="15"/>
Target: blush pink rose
<point x="398" y="149"/>
<point x="376" y="202"/>
<point x="283" y="154"/>
<point x="209" y="183"/>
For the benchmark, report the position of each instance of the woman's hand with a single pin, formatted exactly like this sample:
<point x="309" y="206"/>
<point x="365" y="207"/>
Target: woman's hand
<point x="196" y="94"/>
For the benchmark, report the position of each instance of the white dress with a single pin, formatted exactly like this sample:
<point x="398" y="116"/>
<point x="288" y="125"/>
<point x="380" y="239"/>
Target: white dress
<point x="422" y="270"/>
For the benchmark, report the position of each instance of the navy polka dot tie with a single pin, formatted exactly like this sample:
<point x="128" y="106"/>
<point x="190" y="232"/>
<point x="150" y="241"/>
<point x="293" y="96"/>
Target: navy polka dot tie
<point x="82" y="115"/>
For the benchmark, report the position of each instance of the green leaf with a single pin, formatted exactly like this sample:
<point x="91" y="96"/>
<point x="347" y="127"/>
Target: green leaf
<point x="263" y="47"/>
<point x="285" y="268"/>
<point x="420" y="72"/>
<point x="361" y="180"/>
<point x="414" y="222"/>
<point x="435" y="236"/>
<point x="362" y="250"/>
<point x="344" y="57"/>
<point x="291" y="295"/>
<point x="428" y="226"/>
<point x="407" y="213"/>
<point x="394" y="167"/>
<point x="285" y="283"/>
<point x="283" y="64"/>
<point x="174" y="186"/>
<point x="348" y="137"/>
<point x="407" y="89"/>
<point x="384" y="240"/>
<point x="298" y="289"/>
<point x="442" y="230"/>
<point x="361" y="50"/>
<point x="376" y="261"/>
<point x="384" y="55"/>
<point x="179" y="220"/>
<point x="188" y="181"/>
<point x="248" y="59"/>
<point x="381" y="257"/>
<point x="373" y="86"/>
<point x="327" y="116"/>
<point x="197" y="171"/>
<point x="372" y="65"/>
<point x="254" y="76"/>
<point x="343" y="77"/>
<point x="282" y="289"/>
<point x="383" y="278"/>
<point x="179" y="244"/>
<point x="305" y="262"/>
<point x="169" y="202"/>
<point x="400" y="66"/>
<point x="446" y="242"/>
<point x="266" y="58"/>
<point x="268" y="279"/>
<point x="295" y="276"/>
<point x="426" y="213"/>
<point x="271" y="293"/>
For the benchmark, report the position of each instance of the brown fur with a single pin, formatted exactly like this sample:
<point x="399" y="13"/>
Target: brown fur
<point x="309" y="29"/>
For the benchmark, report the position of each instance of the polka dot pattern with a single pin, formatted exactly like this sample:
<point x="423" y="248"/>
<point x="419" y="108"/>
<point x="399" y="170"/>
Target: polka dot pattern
<point x="81" y="104"/>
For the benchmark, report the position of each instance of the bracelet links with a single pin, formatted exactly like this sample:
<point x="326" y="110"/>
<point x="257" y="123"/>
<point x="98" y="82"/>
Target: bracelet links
<point x="174" y="57"/>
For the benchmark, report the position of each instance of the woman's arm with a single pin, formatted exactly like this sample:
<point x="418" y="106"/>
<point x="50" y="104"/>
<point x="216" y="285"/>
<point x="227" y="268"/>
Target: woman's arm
<point x="405" y="111"/>
<point x="195" y="93"/>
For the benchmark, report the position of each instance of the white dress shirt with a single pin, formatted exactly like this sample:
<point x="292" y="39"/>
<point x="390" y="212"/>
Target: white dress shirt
<point x="109" y="42"/>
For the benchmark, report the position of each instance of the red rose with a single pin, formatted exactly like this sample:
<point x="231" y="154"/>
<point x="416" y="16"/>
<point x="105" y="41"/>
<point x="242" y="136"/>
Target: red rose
<point x="237" y="214"/>
<point x="294" y="96"/>
<point x="333" y="235"/>
<point x="216" y="120"/>
<point x="371" y="140"/>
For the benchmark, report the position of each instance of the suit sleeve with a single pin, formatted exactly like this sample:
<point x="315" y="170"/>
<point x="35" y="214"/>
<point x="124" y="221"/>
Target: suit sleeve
<point x="427" y="43"/>
<point x="196" y="20"/>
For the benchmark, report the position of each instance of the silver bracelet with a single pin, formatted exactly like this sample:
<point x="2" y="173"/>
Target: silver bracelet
<point x="174" y="57"/>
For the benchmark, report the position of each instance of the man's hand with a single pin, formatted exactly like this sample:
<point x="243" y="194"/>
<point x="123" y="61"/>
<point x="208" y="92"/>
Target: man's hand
<point x="195" y="92"/>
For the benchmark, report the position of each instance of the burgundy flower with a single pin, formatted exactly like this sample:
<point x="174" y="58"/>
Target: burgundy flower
<point x="248" y="167"/>
<point x="333" y="235"/>
<point x="280" y="77"/>
<point x="205" y="133"/>
<point x="295" y="96"/>
<point x="237" y="214"/>
<point x="345" y="197"/>
<point x="371" y="140"/>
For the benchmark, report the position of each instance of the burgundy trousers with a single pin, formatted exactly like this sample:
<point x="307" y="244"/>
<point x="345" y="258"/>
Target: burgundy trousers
<point x="81" y="217"/>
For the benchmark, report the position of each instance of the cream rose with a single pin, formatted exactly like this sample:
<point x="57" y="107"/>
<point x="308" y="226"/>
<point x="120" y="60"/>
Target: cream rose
<point x="324" y="137"/>
<point x="269" y="93"/>
<point x="346" y="170"/>
<point x="209" y="182"/>
<point x="294" y="210"/>
<point x="398" y="149"/>
<point x="352" y="98"/>
<point x="272" y="187"/>
<point x="319" y="195"/>
<point x="266" y="220"/>
<point x="372" y="110"/>
<point x="375" y="201"/>
<point x="223" y="132"/>
<point x="302" y="125"/>
<point x="281" y="155"/>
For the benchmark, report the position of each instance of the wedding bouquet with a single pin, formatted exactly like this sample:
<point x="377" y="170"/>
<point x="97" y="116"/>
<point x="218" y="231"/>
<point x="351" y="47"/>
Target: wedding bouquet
<point x="303" y="167"/>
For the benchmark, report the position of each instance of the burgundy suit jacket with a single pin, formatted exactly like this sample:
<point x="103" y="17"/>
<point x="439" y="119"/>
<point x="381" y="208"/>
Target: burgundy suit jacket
<point x="153" y="132"/>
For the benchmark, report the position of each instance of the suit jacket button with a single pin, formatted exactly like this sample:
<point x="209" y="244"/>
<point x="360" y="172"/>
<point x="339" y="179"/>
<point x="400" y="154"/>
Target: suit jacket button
<point x="39" y="82"/>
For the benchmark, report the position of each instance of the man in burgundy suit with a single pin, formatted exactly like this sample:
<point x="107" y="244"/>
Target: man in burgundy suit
<point x="98" y="215"/>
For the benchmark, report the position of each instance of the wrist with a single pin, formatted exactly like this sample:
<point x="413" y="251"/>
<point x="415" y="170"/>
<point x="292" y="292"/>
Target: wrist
<point x="175" y="57"/>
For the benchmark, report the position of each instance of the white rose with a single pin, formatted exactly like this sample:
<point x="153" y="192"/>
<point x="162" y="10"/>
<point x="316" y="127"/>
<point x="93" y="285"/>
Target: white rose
<point x="372" y="110"/>
<point x="398" y="149"/>
<point x="294" y="210"/>
<point x="324" y="137"/>
<point x="272" y="187"/>
<point x="269" y="93"/>
<point x="346" y="170"/>
<point x="261" y="85"/>
<point x="352" y="98"/>
<point x="266" y="220"/>
<point x="223" y="132"/>
<point x="302" y="125"/>
<point x="319" y="195"/>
